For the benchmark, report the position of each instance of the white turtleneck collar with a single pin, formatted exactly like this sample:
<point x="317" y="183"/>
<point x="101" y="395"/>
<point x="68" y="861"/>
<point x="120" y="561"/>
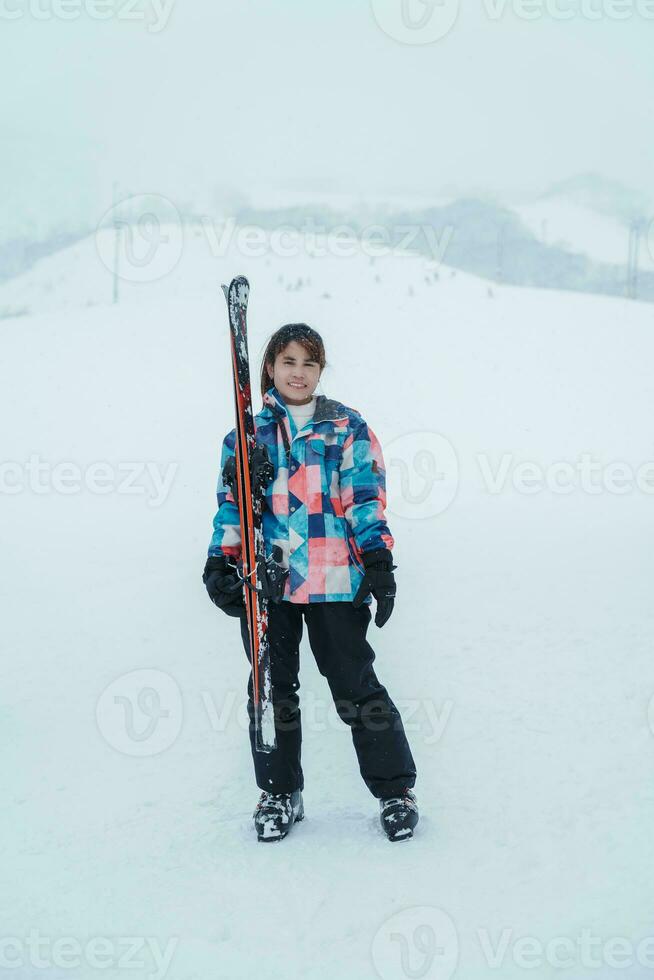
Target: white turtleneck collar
<point x="302" y="412"/>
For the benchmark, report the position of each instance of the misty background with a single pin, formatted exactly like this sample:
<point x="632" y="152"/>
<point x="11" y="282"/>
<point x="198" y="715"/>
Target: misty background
<point x="529" y="139"/>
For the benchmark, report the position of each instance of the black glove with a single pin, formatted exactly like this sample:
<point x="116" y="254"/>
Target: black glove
<point x="379" y="580"/>
<point x="224" y="586"/>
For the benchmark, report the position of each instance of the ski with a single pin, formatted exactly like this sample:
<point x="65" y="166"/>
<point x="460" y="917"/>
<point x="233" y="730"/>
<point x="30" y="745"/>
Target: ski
<point x="249" y="487"/>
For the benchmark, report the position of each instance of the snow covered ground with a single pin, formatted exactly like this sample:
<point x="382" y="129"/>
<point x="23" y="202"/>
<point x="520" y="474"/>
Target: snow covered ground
<point x="519" y="649"/>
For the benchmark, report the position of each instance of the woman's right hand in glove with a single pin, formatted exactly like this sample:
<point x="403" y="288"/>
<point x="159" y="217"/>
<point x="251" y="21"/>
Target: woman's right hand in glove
<point x="224" y="586"/>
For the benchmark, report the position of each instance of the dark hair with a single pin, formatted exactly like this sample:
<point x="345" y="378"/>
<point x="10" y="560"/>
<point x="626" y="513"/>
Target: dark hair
<point x="302" y="334"/>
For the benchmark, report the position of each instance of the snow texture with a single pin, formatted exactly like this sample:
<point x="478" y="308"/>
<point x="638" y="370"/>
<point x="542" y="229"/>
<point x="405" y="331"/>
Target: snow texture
<point x="519" y="652"/>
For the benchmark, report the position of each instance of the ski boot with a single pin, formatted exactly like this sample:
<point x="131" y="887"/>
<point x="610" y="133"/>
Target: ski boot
<point x="399" y="815"/>
<point x="276" y="813"/>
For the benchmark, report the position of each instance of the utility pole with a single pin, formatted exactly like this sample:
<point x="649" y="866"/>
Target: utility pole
<point x="500" y="253"/>
<point x="116" y="241"/>
<point x="633" y="259"/>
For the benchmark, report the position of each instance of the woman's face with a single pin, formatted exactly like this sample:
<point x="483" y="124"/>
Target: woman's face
<point x="295" y="374"/>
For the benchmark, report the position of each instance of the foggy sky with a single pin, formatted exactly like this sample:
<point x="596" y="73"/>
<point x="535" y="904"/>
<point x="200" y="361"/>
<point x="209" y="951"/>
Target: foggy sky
<point x="238" y="94"/>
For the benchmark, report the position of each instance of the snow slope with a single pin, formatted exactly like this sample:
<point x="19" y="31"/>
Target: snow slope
<point x="580" y="229"/>
<point x="523" y="627"/>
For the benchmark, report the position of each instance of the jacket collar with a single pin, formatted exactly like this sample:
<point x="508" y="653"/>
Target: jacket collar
<point x="327" y="409"/>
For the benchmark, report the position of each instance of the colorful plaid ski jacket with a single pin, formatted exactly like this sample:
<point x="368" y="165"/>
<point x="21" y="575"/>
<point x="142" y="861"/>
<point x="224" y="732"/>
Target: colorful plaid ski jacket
<point x="325" y="505"/>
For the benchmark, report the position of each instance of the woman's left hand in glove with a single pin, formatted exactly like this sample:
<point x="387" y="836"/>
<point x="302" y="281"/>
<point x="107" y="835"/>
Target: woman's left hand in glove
<point x="379" y="580"/>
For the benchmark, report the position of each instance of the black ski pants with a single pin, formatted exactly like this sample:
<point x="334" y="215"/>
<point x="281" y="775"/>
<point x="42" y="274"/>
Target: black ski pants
<point x="337" y="635"/>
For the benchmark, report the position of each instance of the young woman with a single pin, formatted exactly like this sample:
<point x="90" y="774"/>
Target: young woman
<point x="325" y="511"/>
